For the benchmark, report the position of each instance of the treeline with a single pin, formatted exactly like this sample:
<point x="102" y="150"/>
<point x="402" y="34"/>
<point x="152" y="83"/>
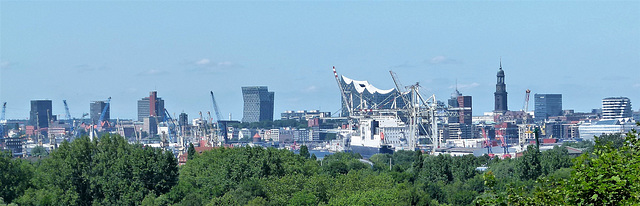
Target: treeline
<point x="109" y="171"/>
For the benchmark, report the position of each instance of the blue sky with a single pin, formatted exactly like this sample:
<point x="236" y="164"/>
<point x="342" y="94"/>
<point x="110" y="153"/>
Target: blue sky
<point x="87" y="51"/>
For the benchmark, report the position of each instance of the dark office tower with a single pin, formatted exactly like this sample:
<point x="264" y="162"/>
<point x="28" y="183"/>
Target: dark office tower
<point x="95" y="108"/>
<point x="461" y="105"/>
<point x="183" y="120"/>
<point x="547" y="105"/>
<point x="258" y="104"/>
<point x="40" y="113"/>
<point x="501" y="93"/>
<point x="465" y="112"/>
<point x="151" y="106"/>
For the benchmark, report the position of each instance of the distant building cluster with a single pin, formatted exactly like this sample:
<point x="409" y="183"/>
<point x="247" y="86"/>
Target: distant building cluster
<point x="456" y="125"/>
<point x="514" y="129"/>
<point x="304" y="115"/>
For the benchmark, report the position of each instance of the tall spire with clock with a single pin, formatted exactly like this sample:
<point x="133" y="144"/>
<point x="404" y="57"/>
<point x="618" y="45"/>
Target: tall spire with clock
<point x="501" y="92"/>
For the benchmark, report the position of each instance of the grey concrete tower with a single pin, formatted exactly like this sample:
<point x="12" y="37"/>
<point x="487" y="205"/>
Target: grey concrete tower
<point x="501" y="92"/>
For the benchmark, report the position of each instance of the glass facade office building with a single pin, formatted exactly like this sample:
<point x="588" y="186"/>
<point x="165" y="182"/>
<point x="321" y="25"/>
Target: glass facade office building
<point x="547" y="105"/>
<point x="40" y="113"/>
<point x="616" y="107"/>
<point x="258" y="104"/>
<point x="95" y="108"/>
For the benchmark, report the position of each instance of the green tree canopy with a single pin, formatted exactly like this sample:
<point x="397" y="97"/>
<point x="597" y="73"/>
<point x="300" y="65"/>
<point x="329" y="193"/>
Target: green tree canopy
<point x="105" y="171"/>
<point x="14" y="178"/>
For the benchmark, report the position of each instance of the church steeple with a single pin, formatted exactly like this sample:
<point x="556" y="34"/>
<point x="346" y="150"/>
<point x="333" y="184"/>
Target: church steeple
<point x="501" y="91"/>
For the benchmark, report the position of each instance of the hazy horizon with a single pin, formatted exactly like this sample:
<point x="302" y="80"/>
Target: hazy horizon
<point x="89" y="51"/>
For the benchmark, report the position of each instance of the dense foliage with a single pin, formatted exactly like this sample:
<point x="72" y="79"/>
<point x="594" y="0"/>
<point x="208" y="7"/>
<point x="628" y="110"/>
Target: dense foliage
<point x="608" y="175"/>
<point x="109" y="171"/>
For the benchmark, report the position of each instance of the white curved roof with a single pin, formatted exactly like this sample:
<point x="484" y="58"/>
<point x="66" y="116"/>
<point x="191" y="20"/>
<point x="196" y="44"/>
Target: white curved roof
<point x="362" y="85"/>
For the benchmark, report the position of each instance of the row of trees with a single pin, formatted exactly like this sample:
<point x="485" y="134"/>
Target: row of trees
<point x="109" y="171"/>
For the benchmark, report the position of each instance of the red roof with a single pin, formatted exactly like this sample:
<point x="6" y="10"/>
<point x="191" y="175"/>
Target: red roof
<point x="202" y="149"/>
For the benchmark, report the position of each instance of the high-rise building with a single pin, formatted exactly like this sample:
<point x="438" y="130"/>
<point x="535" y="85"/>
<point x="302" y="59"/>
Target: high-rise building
<point x="258" y="104"/>
<point x="151" y="106"/>
<point x="183" y="119"/>
<point x="465" y="112"/>
<point x="40" y="113"/>
<point x="463" y="106"/>
<point x="95" y="110"/>
<point x="501" y="93"/>
<point x="459" y="127"/>
<point x="616" y="107"/>
<point x="547" y="105"/>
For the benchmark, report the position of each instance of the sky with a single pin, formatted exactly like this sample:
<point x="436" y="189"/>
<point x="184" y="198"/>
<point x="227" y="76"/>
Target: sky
<point x="89" y="51"/>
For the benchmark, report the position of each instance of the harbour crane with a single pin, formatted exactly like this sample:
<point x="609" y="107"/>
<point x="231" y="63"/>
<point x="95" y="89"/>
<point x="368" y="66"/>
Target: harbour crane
<point x="215" y="108"/>
<point x="487" y="143"/>
<point x="526" y="101"/>
<point x="76" y="131"/>
<point x="2" y="122"/>
<point x="170" y="124"/>
<point x="4" y="109"/>
<point x="347" y="102"/>
<point x="68" y="115"/>
<point x="399" y="86"/>
<point x="505" y="145"/>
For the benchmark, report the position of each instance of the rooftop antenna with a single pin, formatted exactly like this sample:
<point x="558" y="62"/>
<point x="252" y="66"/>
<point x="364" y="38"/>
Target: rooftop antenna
<point x="457" y="85"/>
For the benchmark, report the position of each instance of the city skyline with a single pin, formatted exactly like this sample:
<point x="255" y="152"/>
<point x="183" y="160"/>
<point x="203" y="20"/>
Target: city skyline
<point x="81" y="52"/>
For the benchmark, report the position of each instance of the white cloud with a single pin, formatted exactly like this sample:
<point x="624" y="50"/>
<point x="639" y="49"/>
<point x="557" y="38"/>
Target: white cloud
<point x="311" y="88"/>
<point x="225" y="63"/>
<point x="203" y="62"/>
<point x="465" y="86"/>
<point x="152" y="72"/>
<point x="438" y="59"/>
<point x="206" y="65"/>
<point x="637" y="85"/>
<point x="90" y="68"/>
<point x="442" y="60"/>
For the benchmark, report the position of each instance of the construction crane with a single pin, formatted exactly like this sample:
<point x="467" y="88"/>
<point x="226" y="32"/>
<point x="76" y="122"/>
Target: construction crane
<point x="203" y="124"/>
<point x="487" y="143"/>
<point x="215" y="108"/>
<point x="101" y="121"/>
<point x="505" y="145"/>
<point x="526" y="101"/>
<point x="68" y="115"/>
<point x="347" y="102"/>
<point x="170" y="124"/>
<point x="4" y="109"/>
<point x="399" y="86"/>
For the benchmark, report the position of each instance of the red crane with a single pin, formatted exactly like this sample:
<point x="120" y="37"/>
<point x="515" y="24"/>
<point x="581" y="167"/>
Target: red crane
<point x="487" y="143"/>
<point x="505" y="146"/>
